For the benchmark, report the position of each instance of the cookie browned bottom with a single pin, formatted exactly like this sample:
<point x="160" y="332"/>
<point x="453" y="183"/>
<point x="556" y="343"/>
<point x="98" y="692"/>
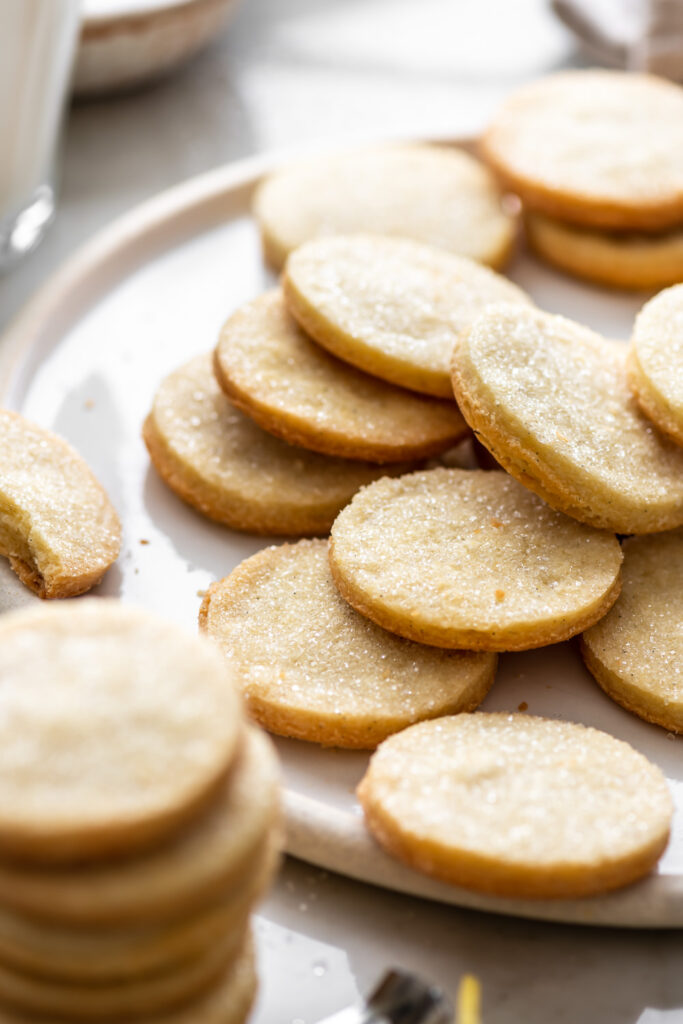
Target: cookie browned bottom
<point x="618" y="259"/>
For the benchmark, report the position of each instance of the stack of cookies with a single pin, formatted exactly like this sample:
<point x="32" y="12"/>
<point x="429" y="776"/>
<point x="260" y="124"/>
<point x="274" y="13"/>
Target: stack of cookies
<point x="139" y="821"/>
<point x="596" y="158"/>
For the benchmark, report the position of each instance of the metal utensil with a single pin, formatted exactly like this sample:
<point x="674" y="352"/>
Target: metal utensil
<point x="399" y="998"/>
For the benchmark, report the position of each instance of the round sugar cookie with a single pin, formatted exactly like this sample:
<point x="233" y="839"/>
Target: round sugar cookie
<point x="655" y="361"/>
<point x="517" y="805"/>
<point x="550" y="400"/>
<point x="390" y="306"/>
<point x="292" y="388"/>
<point x="633" y="260"/>
<point x="96" y="955"/>
<point x="434" y="194"/>
<point x="227" y="1001"/>
<point x="57" y="525"/>
<point x="118" y="1000"/>
<point x="600" y="148"/>
<point x="115" y="729"/>
<point x="345" y="682"/>
<point x="636" y="651"/>
<point x="220" y="462"/>
<point x="471" y="559"/>
<point x="210" y="858"/>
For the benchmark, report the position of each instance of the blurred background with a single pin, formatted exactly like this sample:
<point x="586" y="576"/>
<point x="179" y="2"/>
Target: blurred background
<point x="278" y="75"/>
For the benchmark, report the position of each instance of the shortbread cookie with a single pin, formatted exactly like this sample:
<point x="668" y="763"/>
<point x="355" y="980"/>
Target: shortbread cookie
<point x="96" y="955"/>
<point x="601" y="148"/>
<point x="633" y="260"/>
<point x="471" y="559"/>
<point x="344" y="683"/>
<point x="636" y="651"/>
<point x="57" y="525"/>
<point x="221" y="463"/>
<point x="115" y="729"/>
<point x="139" y="997"/>
<point x="655" y="361"/>
<point x="227" y="1001"/>
<point x="292" y="388"/>
<point x="517" y="806"/>
<point x="433" y="194"/>
<point x="209" y="859"/>
<point x="550" y="401"/>
<point x="390" y="306"/>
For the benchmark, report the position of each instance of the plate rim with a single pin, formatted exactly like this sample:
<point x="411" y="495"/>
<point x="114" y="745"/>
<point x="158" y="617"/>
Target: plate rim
<point x="317" y="836"/>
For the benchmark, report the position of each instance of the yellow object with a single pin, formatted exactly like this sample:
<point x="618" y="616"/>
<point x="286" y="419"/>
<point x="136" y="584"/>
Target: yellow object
<point x="468" y="1009"/>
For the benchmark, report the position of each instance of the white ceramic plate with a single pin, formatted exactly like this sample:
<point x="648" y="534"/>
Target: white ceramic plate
<point x="85" y="359"/>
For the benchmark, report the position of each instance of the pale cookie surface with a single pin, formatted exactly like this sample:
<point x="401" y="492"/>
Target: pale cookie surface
<point x="600" y="148"/>
<point x="655" y="361"/>
<point x="312" y="668"/>
<point x="437" y="195"/>
<point x="207" y="860"/>
<point x="471" y="559"/>
<point x="114" y="729"/>
<point x="636" y="651"/>
<point x="118" y="1000"/>
<point x="517" y="806"/>
<point x="272" y="371"/>
<point x="550" y="400"/>
<point x="390" y="306"/>
<point x="223" y="464"/>
<point x="57" y="525"/>
<point x="227" y="1001"/>
<point x="97" y="955"/>
<point x="621" y="259"/>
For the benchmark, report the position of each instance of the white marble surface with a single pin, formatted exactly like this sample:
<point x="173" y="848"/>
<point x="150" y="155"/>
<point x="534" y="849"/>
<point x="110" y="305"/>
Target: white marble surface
<point x="297" y="71"/>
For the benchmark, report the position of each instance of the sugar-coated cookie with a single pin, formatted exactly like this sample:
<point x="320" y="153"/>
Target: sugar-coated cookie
<point x="119" y="1000"/>
<point x="601" y="148"/>
<point x="517" y="806"/>
<point x="633" y="260"/>
<point x="655" y="361"/>
<point x="207" y="860"/>
<point x="221" y="463"/>
<point x="115" y="729"/>
<point x="390" y="306"/>
<point x="227" y="1001"/>
<point x="550" y="400"/>
<point x="434" y="194"/>
<point x="57" y="525"/>
<point x="636" y="651"/>
<point x="471" y="559"/>
<point x="292" y="388"/>
<point x="342" y="681"/>
<point x="98" y="955"/>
